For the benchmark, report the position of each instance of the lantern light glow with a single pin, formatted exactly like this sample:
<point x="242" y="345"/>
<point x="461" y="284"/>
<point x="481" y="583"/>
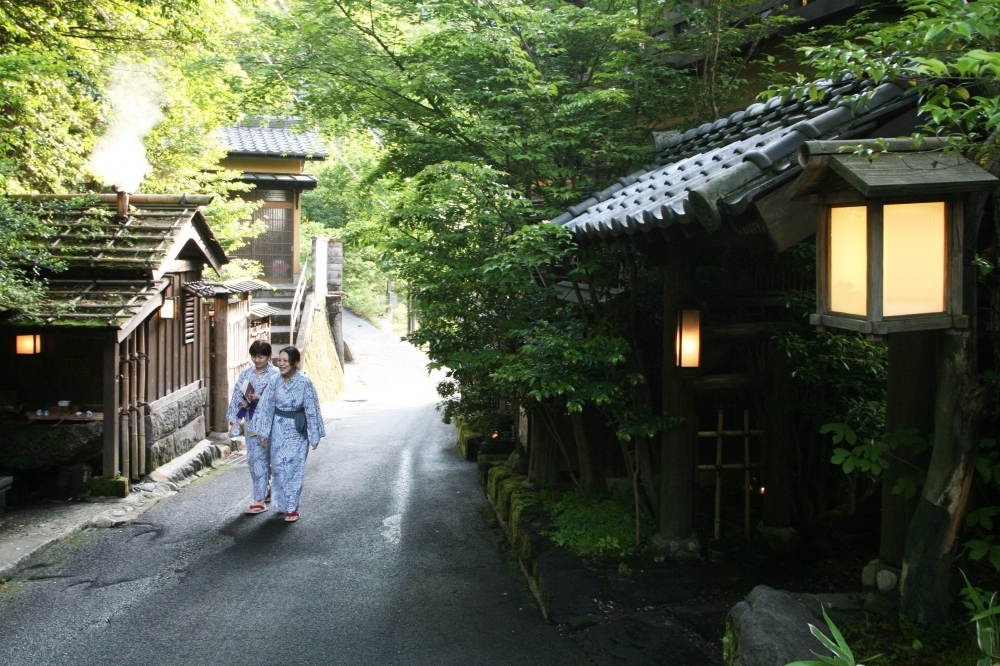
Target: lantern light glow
<point x="168" y="308"/>
<point x="688" y="346"/>
<point x="29" y="344"/>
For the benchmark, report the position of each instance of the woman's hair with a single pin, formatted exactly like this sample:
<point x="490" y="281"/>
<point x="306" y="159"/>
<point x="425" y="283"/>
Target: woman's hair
<point x="260" y="348"/>
<point x="293" y="355"/>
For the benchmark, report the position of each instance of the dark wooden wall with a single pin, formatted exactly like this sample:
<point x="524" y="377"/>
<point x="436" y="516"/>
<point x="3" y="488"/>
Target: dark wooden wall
<point x="175" y="362"/>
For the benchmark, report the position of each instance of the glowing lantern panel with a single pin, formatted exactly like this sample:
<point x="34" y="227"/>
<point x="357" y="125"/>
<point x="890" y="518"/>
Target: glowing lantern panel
<point x="29" y="344"/>
<point x="913" y="263"/>
<point x="688" y="338"/>
<point x="849" y="260"/>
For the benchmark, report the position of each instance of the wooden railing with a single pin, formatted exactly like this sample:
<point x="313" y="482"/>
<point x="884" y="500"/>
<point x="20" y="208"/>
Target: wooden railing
<point x="297" y="302"/>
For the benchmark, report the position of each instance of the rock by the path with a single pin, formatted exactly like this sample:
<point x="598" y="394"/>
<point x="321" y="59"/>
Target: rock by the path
<point x="771" y="628"/>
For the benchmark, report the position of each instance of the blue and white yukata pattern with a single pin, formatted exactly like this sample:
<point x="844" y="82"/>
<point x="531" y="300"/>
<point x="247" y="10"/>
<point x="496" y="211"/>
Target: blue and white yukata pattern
<point x="258" y="458"/>
<point x="288" y="447"/>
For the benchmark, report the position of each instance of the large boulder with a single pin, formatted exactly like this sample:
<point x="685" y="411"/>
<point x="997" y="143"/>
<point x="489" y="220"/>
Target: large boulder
<point x="39" y="445"/>
<point x="771" y="628"/>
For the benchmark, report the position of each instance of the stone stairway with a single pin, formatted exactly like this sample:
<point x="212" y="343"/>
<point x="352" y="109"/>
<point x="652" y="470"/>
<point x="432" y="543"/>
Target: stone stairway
<point x="280" y="297"/>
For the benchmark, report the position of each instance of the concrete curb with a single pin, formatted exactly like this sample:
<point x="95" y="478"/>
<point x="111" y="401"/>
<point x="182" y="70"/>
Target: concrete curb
<point x="204" y="454"/>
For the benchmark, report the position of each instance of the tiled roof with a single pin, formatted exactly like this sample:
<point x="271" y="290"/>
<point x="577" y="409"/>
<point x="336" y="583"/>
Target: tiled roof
<point x="721" y="167"/>
<point x="157" y="229"/>
<point x="235" y="286"/>
<point x="276" y="137"/>
<point x="115" y="267"/>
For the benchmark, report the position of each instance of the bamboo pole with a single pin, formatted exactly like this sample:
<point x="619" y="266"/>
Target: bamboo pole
<point x="123" y="438"/>
<point x="133" y="408"/>
<point x="141" y="333"/>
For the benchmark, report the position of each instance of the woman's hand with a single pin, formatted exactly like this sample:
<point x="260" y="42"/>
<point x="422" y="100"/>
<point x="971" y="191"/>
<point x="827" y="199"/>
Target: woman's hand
<point x="314" y="446"/>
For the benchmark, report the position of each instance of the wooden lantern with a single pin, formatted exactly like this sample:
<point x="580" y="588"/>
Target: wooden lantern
<point x="889" y="240"/>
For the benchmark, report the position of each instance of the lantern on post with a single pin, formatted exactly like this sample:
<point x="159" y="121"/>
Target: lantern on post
<point x="688" y="346"/>
<point x="889" y="240"/>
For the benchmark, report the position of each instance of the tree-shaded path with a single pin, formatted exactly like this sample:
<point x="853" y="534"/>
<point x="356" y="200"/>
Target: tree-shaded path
<point x="391" y="562"/>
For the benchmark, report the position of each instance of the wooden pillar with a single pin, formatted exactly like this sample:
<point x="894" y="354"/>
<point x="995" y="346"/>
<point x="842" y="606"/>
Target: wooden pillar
<point x="780" y="442"/>
<point x="909" y="404"/>
<point x="220" y="373"/>
<point x="677" y="453"/>
<point x="335" y="295"/>
<point x="110" y="407"/>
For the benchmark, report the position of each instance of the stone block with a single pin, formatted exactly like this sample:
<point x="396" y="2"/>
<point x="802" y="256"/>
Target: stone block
<point x="161" y="423"/>
<point x="191" y="407"/>
<point x="771" y="628"/>
<point x="104" y="487"/>
<point x="26" y="446"/>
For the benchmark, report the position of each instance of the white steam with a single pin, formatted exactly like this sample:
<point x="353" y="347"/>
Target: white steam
<point x="119" y="158"/>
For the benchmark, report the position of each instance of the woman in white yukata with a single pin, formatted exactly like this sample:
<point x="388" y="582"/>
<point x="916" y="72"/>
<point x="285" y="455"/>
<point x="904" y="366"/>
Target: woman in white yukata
<point x="290" y="422"/>
<point x="257" y="379"/>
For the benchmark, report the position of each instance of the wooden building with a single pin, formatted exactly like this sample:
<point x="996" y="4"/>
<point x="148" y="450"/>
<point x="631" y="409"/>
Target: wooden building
<point x="122" y="344"/>
<point x="271" y="155"/>
<point x="717" y="201"/>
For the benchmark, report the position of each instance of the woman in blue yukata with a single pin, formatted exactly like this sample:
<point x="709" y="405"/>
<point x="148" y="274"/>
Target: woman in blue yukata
<point x="252" y="383"/>
<point x="290" y="421"/>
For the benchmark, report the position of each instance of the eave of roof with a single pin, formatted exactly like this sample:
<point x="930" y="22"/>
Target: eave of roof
<point x="280" y="181"/>
<point x="722" y="167"/>
<point x="117" y="305"/>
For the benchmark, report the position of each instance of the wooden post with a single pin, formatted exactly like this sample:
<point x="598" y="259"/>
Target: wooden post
<point x="677" y="455"/>
<point x="909" y="404"/>
<point x="110" y="407"/>
<point x="960" y="406"/>
<point x="220" y="372"/>
<point x="780" y="444"/>
<point x="335" y="295"/>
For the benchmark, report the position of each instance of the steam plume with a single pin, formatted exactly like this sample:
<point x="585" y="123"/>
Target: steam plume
<point x="119" y="158"/>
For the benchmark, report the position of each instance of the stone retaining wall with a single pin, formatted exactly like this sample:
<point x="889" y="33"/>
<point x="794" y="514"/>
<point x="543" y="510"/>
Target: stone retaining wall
<point x="175" y="427"/>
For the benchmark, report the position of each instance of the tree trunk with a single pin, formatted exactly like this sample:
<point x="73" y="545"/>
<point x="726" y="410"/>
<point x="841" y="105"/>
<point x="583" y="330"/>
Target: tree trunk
<point x="543" y="454"/>
<point x="909" y="404"/>
<point x="585" y="459"/>
<point x="937" y="520"/>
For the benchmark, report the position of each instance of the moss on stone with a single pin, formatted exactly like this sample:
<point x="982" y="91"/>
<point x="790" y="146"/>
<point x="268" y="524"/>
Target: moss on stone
<point x="103" y="487"/>
<point x="486" y="463"/>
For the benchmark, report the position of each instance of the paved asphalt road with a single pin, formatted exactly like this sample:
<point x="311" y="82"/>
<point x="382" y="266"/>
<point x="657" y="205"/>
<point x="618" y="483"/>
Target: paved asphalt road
<point x="392" y="561"/>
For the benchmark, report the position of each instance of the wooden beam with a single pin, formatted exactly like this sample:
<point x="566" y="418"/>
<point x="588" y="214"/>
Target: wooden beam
<point x="220" y="376"/>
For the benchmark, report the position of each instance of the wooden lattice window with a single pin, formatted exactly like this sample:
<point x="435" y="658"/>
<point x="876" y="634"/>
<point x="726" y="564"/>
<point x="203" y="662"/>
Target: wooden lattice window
<point x="273" y="248"/>
<point x="190" y="317"/>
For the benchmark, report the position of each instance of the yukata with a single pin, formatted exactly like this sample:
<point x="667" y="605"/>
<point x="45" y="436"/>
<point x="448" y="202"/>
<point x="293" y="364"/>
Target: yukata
<point x="276" y="416"/>
<point x="258" y="458"/>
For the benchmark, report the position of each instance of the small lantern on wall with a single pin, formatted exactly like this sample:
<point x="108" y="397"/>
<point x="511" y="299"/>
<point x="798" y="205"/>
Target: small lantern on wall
<point x="889" y="235"/>
<point x="169" y="308"/>
<point x="688" y="346"/>
<point x="29" y="344"/>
